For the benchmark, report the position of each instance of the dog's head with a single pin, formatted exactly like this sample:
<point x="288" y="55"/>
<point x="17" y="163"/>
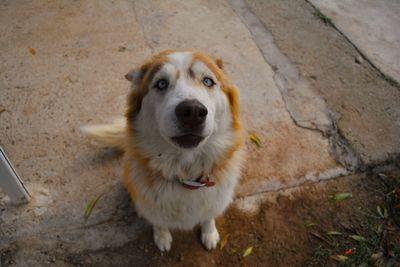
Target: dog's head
<point x="184" y="97"/>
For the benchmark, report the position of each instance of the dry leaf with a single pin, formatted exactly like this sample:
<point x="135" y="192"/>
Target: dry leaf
<point x="321" y="238"/>
<point x="334" y="233"/>
<point x="342" y="196"/>
<point x="379" y="210"/>
<point x="67" y="78"/>
<point x="90" y="206"/>
<point x="223" y="242"/>
<point x="358" y="238"/>
<point x="340" y="258"/>
<point x="255" y="139"/>
<point x="32" y="51"/>
<point x="376" y="256"/>
<point x="247" y="252"/>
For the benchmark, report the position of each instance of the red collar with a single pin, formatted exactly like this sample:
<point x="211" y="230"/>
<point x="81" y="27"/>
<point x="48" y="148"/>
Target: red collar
<point x="201" y="181"/>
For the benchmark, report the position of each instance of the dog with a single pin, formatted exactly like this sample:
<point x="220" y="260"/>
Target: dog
<point x="183" y="143"/>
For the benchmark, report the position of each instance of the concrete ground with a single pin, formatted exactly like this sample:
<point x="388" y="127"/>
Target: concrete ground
<point x="320" y="90"/>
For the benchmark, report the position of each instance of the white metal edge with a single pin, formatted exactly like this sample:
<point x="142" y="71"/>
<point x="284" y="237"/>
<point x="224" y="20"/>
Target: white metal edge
<point x="10" y="181"/>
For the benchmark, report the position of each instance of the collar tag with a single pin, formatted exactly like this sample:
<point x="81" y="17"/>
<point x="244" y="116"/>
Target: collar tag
<point x="202" y="181"/>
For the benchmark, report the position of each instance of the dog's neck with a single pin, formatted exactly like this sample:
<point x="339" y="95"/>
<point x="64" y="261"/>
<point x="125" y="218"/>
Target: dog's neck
<point x="184" y="164"/>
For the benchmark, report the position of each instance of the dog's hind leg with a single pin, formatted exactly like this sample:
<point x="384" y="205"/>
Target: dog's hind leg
<point x="209" y="234"/>
<point x="162" y="238"/>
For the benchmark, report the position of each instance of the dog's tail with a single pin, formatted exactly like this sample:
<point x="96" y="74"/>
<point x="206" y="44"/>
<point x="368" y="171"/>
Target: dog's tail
<point x="113" y="134"/>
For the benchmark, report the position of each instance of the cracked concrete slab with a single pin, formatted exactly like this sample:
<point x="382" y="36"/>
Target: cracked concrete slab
<point x="365" y="106"/>
<point x="306" y="108"/>
<point x="373" y="27"/>
<point x="62" y="67"/>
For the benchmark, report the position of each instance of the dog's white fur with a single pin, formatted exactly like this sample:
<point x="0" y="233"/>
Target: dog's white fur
<point x="154" y="164"/>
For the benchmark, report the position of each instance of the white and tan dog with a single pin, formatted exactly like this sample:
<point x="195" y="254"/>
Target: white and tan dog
<point x="182" y="139"/>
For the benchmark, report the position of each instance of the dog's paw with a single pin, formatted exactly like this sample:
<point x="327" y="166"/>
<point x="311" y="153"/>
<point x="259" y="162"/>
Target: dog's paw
<point x="210" y="239"/>
<point x="163" y="239"/>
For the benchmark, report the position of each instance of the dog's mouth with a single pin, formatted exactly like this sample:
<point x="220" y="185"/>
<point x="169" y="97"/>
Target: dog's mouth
<point x="187" y="140"/>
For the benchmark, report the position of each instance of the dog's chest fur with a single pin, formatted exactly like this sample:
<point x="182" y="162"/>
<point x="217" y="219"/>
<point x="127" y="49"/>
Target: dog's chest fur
<point x="168" y="203"/>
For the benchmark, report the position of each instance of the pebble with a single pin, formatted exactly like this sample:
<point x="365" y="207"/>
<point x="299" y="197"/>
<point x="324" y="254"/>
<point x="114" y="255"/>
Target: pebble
<point x="359" y="59"/>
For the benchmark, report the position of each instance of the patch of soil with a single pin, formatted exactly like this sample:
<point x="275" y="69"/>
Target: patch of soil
<point x="6" y="255"/>
<point x="292" y="230"/>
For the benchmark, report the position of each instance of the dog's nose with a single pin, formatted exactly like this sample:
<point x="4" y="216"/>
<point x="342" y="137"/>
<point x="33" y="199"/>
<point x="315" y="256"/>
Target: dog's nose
<point x="191" y="113"/>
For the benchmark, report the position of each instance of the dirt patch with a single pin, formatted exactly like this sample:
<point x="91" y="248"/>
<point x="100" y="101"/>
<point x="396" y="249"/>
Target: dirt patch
<point x="290" y="230"/>
<point x="274" y="165"/>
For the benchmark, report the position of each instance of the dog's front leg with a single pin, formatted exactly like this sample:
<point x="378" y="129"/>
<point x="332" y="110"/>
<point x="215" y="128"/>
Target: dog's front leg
<point x="209" y="234"/>
<point x="162" y="238"/>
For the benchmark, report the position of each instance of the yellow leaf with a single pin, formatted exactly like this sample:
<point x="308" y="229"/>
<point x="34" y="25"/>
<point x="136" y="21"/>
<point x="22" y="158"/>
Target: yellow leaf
<point x="223" y="242"/>
<point x="32" y="51"/>
<point x="342" y="196"/>
<point x="247" y="252"/>
<point x="90" y="206"/>
<point x="358" y="238"/>
<point x="67" y="78"/>
<point x="340" y="258"/>
<point x="255" y="139"/>
<point x="334" y="233"/>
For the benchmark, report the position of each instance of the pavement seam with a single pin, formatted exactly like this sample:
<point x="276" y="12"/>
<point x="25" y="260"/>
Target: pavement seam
<point x="142" y="29"/>
<point x="361" y="166"/>
<point x="295" y="88"/>
<point x="383" y="75"/>
<point x="286" y="76"/>
<point x="285" y="188"/>
<point x="343" y="153"/>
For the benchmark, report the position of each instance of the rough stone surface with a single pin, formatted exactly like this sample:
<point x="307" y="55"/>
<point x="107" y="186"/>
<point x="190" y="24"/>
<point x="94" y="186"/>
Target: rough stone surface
<point x="366" y="106"/>
<point x="373" y="26"/>
<point x="307" y="109"/>
<point x="62" y="66"/>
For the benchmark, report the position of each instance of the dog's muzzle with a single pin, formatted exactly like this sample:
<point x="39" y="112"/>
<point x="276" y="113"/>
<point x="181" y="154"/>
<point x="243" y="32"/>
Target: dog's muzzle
<point x="191" y="115"/>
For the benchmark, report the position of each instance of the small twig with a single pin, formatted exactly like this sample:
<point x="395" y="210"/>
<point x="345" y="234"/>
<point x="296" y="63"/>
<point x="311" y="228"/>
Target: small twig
<point x="322" y="238"/>
<point x="369" y="215"/>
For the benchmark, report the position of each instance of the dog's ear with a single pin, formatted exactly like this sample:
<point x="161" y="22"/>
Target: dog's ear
<point x="219" y="63"/>
<point x="233" y="97"/>
<point x="135" y="76"/>
<point x="232" y="93"/>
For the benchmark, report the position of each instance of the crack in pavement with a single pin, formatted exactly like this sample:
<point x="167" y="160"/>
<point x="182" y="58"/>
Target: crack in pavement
<point x="383" y="75"/>
<point x="147" y="42"/>
<point x="295" y="90"/>
<point x="306" y="108"/>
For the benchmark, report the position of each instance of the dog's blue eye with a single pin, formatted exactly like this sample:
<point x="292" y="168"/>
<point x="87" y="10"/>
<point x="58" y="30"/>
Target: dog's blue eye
<point x="208" y="82"/>
<point x="162" y="84"/>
